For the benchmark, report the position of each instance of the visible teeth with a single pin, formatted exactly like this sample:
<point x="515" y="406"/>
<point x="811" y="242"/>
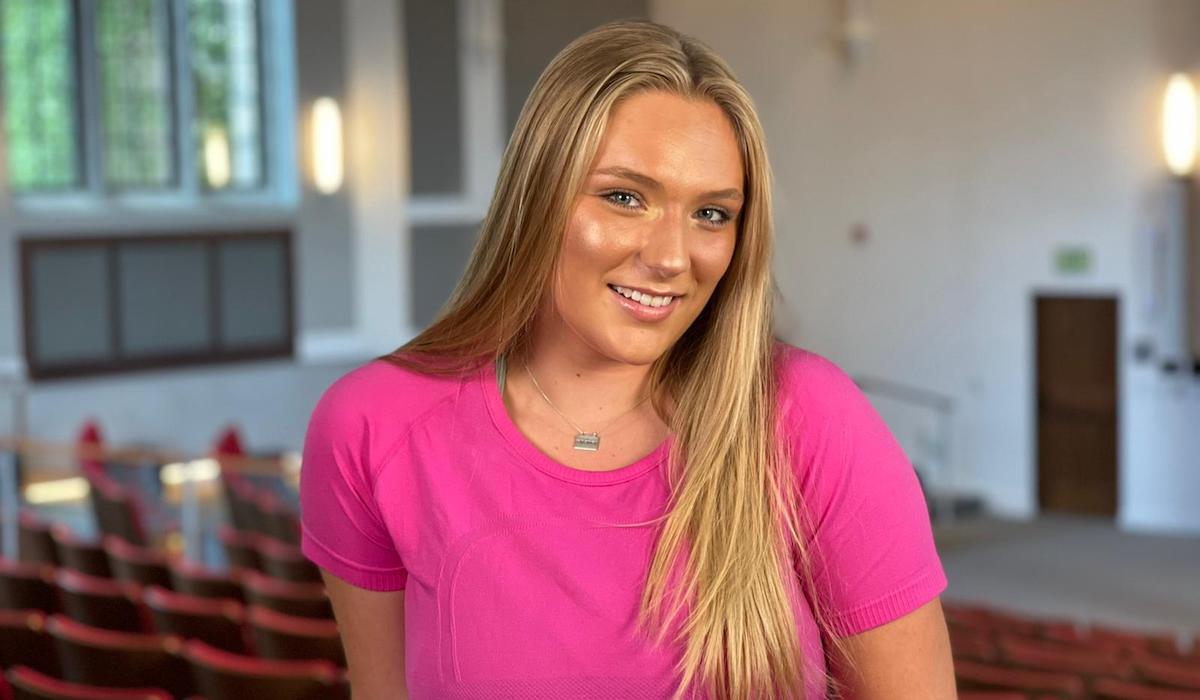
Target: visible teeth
<point x="643" y="299"/>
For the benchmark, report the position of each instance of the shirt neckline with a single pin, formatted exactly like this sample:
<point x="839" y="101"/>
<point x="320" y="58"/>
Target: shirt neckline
<point x="543" y="462"/>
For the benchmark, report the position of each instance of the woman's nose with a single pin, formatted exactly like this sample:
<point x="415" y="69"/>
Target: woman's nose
<point x="665" y="249"/>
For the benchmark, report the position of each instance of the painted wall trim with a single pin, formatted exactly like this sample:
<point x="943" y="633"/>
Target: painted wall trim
<point x="12" y="369"/>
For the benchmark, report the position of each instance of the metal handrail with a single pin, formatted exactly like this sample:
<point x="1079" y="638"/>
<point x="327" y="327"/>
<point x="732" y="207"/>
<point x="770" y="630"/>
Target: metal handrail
<point x="943" y="406"/>
<point x="905" y="392"/>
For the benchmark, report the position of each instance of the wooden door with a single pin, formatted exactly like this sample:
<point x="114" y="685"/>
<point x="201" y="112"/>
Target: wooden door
<point x="1077" y="404"/>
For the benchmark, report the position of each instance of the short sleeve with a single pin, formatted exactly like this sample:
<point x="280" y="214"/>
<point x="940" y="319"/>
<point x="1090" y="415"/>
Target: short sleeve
<point x="342" y="530"/>
<point x="872" y="557"/>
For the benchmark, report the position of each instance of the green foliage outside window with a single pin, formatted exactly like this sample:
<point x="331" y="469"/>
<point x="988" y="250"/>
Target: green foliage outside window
<point x="39" y="94"/>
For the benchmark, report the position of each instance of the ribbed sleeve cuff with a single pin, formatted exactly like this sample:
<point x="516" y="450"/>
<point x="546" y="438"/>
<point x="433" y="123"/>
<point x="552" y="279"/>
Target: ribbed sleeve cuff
<point x="891" y="606"/>
<point x="364" y="577"/>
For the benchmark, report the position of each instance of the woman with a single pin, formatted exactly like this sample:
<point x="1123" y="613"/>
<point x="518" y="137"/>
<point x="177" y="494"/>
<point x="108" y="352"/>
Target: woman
<point x="596" y="475"/>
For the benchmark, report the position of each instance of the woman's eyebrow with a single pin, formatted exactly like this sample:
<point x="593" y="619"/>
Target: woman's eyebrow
<point x="646" y="181"/>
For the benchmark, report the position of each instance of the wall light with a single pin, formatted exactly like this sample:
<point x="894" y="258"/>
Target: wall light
<point x="1179" y="125"/>
<point x="176" y="473"/>
<point x="327" y="145"/>
<point x="57" y="491"/>
<point x="216" y="157"/>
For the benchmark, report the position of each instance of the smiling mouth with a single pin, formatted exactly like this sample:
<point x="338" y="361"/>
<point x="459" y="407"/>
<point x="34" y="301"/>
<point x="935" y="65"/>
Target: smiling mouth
<point x="643" y="298"/>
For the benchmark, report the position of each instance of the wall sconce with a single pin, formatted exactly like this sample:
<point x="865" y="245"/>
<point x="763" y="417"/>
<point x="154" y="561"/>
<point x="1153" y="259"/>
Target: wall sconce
<point x="856" y="32"/>
<point x="216" y="157"/>
<point x="327" y="145"/>
<point x="1179" y="125"/>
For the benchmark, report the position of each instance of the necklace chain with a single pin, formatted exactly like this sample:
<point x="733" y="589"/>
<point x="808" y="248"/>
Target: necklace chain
<point x="572" y="423"/>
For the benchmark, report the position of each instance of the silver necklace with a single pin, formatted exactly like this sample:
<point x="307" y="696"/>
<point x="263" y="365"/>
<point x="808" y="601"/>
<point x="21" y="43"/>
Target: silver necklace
<point x="584" y="440"/>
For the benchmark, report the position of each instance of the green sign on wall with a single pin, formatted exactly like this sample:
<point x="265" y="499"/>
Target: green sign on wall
<point x="1073" y="260"/>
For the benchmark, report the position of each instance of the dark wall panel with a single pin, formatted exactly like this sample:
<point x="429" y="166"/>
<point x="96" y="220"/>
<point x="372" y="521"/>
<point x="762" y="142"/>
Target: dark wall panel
<point x="439" y="256"/>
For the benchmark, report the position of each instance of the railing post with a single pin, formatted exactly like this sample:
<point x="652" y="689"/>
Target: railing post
<point x="10" y="504"/>
<point x="189" y="516"/>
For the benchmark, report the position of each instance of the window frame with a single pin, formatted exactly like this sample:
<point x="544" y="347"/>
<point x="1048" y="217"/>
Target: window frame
<point x="93" y="206"/>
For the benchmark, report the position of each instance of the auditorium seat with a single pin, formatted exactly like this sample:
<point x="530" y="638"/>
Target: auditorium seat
<point x="976" y="676"/>
<point x="285" y="561"/>
<point x="1170" y="673"/>
<point x="981" y="619"/>
<point x="1114" y="689"/>
<point x="28" y="684"/>
<point x="35" y="543"/>
<point x="223" y="676"/>
<point x="101" y="602"/>
<point x="120" y="659"/>
<point x="280" y="636"/>
<point x="198" y="580"/>
<point x="1048" y="656"/>
<point x="216" y="621"/>
<point x="116" y="510"/>
<point x="240" y="548"/>
<point x="27" y="585"/>
<point x="238" y="489"/>
<point x="140" y="565"/>
<point x="74" y="552"/>
<point x="24" y="641"/>
<point x="300" y="599"/>
<point x="1154" y="642"/>
<point x="277" y="518"/>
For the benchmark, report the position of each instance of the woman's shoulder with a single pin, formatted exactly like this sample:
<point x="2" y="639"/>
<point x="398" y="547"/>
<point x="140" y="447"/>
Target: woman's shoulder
<point x="382" y="396"/>
<point x="814" y="394"/>
<point x="804" y="375"/>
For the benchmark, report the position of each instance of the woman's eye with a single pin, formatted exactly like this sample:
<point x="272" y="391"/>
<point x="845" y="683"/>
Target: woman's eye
<point x="620" y="198"/>
<point x="713" y="216"/>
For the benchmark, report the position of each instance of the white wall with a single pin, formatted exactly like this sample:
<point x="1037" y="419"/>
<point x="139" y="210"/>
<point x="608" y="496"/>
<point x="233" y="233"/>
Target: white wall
<point x="181" y="410"/>
<point x="974" y="139"/>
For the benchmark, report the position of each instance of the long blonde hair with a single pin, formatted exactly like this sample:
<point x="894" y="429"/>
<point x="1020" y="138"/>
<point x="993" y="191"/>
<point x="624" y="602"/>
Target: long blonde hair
<point x="733" y="520"/>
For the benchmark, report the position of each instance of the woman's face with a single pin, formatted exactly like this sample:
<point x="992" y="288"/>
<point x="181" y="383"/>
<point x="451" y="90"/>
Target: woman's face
<point x="652" y="230"/>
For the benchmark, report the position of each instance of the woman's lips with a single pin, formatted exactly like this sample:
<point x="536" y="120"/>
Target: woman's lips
<point x="641" y="311"/>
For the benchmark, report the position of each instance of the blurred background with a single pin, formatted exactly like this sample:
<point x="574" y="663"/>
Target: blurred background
<point x="986" y="214"/>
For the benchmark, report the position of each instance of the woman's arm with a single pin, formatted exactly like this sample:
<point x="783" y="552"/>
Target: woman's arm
<point x="371" y="624"/>
<point x="906" y="658"/>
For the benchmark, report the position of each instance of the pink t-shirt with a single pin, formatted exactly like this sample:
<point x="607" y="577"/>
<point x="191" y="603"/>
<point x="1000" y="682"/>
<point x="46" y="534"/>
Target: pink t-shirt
<point x="519" y="582"/>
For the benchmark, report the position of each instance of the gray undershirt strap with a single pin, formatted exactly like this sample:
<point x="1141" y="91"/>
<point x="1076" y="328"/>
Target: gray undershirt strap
<point x="501" y="373"/>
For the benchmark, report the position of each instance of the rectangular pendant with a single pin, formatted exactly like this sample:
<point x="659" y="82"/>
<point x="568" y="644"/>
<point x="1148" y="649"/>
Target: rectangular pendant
<point x="588" y="442"/>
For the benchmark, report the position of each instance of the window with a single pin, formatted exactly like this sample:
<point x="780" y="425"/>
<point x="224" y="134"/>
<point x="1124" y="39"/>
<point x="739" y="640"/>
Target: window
<point x="158" y="98"/>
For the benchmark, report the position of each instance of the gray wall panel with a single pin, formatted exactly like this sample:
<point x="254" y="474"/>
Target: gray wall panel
<point x="164" y="296"/>
<point x="253" y="275"/>
<point x="536" y="30"/>
<point x="439" y="256"/>
<point x="72" y="288"/>
<point x="434" y="78"/>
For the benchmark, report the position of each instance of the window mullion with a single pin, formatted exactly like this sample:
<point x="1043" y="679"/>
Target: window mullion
<point x="185" y="102"/>
<point x="91" y="114"/>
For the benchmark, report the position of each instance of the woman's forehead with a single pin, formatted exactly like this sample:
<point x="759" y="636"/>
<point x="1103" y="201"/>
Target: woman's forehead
<point x="686" y="142"/>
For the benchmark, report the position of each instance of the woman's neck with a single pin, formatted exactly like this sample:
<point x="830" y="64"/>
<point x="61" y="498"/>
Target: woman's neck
<point x="586" y="386"/>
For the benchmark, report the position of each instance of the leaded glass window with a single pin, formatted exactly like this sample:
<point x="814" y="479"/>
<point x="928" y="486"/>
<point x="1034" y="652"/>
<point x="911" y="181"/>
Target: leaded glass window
<point x="135" y="92"/>
<point x="39" y="94"/>
<point x="223" y="55"/>
<point x="112" y="96"/>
